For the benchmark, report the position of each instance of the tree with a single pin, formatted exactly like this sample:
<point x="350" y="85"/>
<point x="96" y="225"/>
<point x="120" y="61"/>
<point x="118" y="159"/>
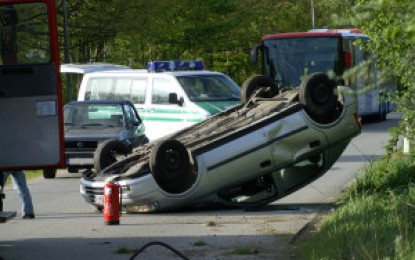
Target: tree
<point x="391" y="27"/>
<point x="221" y="32"/>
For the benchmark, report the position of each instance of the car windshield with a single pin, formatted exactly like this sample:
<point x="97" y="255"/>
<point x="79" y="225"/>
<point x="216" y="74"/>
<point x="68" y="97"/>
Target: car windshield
<point x="209" y="88"/>
<point x="290" y="59"/>
<point x="93" y="115"/>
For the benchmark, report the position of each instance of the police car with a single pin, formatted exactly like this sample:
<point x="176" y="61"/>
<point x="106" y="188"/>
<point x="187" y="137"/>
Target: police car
<point x="169" y="95"/>
<point x="247" y="156"/>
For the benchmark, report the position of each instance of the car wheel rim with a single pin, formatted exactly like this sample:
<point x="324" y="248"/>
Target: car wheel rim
<point x="171" y="160"/>
<point x="321" y="94"/>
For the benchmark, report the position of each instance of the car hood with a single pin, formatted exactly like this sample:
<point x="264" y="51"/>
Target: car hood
<point x="214" y="107"/>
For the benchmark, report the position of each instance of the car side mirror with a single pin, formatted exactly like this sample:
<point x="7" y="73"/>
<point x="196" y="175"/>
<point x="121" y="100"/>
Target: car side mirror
<point x="174" y="99"/>
<point x="135" y="123"/>
<point x="254" y="54"/>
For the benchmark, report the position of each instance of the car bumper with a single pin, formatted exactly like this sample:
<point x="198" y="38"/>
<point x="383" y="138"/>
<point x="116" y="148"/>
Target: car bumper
<point x="92" y="191"/>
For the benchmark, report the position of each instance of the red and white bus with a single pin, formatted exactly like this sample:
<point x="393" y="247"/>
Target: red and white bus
<point x="288" y="57"/>
<point x="31" y="130"/>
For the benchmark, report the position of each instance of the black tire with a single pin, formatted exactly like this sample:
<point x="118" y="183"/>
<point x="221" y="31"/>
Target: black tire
<point x="251" y="85"/>
<point x="106" y="154"/>
<point x="72" y="170"/>
<point x="49" y="173"/>
<point x="171" y="167"/>
<point x="318" y="97"/>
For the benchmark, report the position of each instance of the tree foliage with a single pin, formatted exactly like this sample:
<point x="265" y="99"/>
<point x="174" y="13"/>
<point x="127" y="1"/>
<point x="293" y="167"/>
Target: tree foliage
<point x="391" y="27"/>
<point x="220" y="32"/>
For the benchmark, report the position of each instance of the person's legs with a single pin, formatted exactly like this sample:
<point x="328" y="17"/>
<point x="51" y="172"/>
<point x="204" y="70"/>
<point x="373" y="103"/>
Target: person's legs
<point x="19" y="181"/>
<point x="3" y="178"/>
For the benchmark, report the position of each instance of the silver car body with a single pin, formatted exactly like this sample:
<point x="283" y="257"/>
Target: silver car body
<point x="274" y="142"/>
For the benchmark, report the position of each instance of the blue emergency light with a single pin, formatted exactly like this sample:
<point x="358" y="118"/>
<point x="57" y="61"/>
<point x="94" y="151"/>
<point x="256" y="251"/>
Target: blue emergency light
<point x="158" y="66"/>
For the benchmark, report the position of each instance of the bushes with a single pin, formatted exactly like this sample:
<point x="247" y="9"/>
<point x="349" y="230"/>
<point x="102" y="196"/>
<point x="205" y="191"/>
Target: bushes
<point x="376" y="216"/>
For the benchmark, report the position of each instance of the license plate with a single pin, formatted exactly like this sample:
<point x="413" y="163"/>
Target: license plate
<point x="80" y="161"/>
<point x="99" y="200"/>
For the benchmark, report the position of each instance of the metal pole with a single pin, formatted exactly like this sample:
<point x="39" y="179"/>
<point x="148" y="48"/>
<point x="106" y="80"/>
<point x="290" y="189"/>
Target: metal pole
<point x="313" y="18"/>
<point x="66" y="44"/>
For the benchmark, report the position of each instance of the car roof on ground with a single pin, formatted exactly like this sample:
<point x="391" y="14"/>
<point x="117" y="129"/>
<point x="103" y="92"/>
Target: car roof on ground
<point x="82" y="68"/>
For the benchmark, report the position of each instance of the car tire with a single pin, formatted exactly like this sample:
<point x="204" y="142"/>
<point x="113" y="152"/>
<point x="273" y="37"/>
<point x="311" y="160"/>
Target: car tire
<point x="318" y="97"/>
<point x="171" y="167"/>
<point x="49" y="173"/>
<point x="251" y="85"/>
<point x="106" y="153"/>
<point x="72" y="170"/>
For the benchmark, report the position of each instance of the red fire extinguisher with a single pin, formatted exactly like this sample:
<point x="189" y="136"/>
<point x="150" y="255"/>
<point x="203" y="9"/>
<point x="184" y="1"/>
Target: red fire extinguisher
<point x="112" y="202"/>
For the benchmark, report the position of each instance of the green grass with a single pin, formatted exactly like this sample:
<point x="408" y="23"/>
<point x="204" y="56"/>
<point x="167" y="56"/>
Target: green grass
<point x="375" y="219"/>
<point x="126" y="250"/>
<point x="200" y="243"/>
<point x="29" y="175"/>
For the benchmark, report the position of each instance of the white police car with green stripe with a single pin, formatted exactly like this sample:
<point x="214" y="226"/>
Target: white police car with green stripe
<point x="169" y="96"/>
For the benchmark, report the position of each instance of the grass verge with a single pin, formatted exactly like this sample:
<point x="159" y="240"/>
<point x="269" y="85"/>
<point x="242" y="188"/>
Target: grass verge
<point x="29" y="175"/>
<point x="375" y="218"/>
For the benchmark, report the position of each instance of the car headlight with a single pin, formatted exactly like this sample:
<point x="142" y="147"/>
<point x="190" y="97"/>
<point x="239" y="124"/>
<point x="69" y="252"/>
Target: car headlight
<point x="82" y="189"/>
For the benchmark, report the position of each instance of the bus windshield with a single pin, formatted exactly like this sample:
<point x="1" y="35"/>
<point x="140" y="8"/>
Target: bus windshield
<point x="288" y="60"/>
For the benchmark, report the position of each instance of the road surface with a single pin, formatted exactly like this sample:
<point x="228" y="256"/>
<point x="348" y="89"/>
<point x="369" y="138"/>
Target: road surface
<point x="66" y="227"/>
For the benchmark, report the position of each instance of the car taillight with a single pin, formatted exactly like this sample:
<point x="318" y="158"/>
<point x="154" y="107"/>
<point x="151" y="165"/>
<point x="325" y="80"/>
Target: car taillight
<point x="347" y="59"/>
<point x="358" y="120"/>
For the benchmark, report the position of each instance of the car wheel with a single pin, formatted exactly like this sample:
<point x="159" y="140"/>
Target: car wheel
<point x="72" y="170"/>
<point x="170" y="166"/>
<point x="106" y="154"/>
<point x="49" y="173"/>
<point x="318" y="97"/>
<point x="251" y="85"/>
<point x="98" y="208"/>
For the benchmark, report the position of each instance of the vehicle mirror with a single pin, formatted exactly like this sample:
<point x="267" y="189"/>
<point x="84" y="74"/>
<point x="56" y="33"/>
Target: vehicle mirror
<point x="254" y="54"/>
<point x="174" y="99"/>
<point x="136" y="123"/>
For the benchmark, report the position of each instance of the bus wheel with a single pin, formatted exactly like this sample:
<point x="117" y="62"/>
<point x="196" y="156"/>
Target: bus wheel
<point x="251" y="85"/>
<point x="107" y="152"/>
<point x="49" y="173"/>
<point x="318" y="97"/>
<point x="170" y="166"/>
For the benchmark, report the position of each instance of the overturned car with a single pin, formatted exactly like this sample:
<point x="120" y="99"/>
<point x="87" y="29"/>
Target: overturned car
<point x="248" y="156"/>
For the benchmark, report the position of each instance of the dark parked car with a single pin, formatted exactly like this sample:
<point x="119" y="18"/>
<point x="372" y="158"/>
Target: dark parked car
<point x="110" y="127"/>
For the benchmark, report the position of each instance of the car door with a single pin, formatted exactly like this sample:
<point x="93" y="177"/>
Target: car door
<point x="135" y="126"/>
<point x="163" y="117"/>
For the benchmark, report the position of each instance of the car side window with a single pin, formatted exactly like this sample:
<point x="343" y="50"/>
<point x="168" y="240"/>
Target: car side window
<point x="161" y="89"/>
<point x="138" y="90"/>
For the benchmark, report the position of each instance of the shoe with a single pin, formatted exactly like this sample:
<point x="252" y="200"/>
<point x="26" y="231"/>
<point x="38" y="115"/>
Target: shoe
<point x="29" y="216"/>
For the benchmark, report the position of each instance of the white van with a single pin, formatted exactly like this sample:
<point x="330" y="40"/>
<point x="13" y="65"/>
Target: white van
<point x="168" y="95"/>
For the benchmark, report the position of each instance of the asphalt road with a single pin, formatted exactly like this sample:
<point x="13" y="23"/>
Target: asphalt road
<point x="67" y="228"/>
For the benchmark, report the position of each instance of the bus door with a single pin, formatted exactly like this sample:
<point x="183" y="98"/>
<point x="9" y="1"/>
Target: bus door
<point x="366" y="83"/>
<point x="31" y="130"/>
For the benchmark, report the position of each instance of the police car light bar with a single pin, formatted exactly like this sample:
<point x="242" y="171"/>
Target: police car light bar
<point x="157" y="66"/>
